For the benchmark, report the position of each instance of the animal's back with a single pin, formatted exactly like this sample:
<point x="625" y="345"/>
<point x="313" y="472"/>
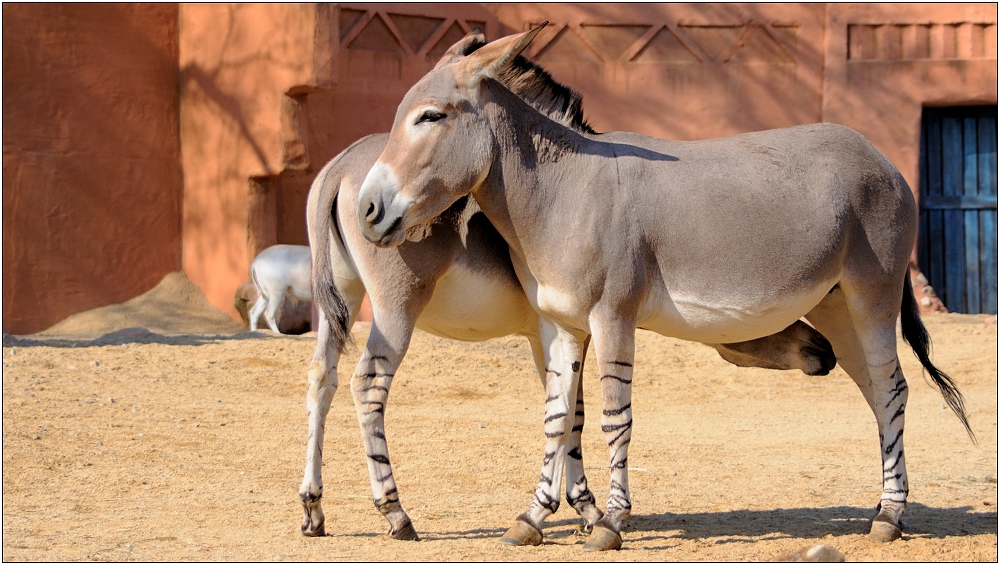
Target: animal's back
<point x="763" y="223"/>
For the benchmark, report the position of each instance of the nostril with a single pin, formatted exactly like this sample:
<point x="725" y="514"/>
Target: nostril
<point x="374" y="212"/>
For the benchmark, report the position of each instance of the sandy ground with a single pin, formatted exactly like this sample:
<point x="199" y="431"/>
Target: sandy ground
<point x="190" y="446"/>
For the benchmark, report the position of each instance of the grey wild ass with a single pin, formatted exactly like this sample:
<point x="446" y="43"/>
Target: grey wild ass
<point x="714" y="241"/>
<point x="278" y="271"/>
<point x="454" y="278"/>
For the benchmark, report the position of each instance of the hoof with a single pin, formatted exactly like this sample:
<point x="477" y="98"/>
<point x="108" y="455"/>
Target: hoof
<point x="603" y="539"/>
<point x="405" y="533"/>
<point x="884" y="532"/>
<point x="313" y="522"/>
<point x="311" y="530"/>
<point x="522" y="533"/>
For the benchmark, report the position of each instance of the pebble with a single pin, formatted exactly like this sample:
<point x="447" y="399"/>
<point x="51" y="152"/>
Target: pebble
<point x="37" y="437"/>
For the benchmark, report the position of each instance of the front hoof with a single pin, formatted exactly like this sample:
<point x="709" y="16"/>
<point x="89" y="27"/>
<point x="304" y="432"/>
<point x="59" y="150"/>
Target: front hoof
<point x="312" y="529"/>
<point x="884" y="532"/>
<point x="406" y="532"/>
<point x="314" y="521"/>
<point x="522" y="533"/>
<point x="603" y="539"/>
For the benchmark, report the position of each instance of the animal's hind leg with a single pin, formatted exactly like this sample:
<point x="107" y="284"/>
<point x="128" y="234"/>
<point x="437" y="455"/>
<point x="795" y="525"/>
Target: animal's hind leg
<point x="256" y="310"/>
<point x="865" y="344"/>
<point x="273" y="305"/>
<point x="323" y="384"/>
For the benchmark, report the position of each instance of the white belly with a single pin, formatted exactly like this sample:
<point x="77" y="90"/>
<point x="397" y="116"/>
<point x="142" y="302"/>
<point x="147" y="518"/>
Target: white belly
<point x="693" y="317"/>
<point x="470" y="306"/>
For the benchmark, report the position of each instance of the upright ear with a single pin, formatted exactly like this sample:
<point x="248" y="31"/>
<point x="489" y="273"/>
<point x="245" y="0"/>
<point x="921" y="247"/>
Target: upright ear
<point x="489" y="60"/>
<point x="474" y="40"/>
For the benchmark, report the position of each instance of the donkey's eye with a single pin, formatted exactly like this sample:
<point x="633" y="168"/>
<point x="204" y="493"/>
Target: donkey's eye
<point x="430" y="116"/>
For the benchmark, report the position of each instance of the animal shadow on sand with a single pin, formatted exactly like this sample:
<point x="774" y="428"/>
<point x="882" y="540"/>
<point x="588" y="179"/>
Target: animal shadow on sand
<point x="806" y="523"/>
<point x="744" y="526"/>
<point x="136" y="335"/>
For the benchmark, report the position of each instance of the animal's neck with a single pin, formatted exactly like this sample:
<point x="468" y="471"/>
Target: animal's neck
<point x="531" y="153"/>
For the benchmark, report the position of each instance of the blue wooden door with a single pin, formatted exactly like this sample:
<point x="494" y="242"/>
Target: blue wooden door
<point x="958" y="206"/>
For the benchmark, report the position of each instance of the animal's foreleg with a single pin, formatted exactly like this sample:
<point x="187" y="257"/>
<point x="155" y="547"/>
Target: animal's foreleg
<point x="370" y="387"/>
<point x="615" y="345"/>
<point x="322" y="386"/>
<point x="563" y="361"/>
<point x="577" y="492"/>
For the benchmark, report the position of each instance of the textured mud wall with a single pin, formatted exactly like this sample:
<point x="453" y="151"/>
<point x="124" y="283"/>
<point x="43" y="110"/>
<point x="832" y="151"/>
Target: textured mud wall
<point x="698" y="71"/>
<point x="885" y="62"/>
<point x="261" y="96"/>
<point x="91" y="157"/>
<point x="237" y="64"/>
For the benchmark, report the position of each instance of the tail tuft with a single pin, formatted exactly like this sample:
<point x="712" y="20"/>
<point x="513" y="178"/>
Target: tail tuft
<point x="915" y="334"/>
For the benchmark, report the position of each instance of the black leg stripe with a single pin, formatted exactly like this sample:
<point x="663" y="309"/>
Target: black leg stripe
<point x="892" y="445"/>
<point x="618" y="411"/>
<point x="617" y="378"/>
<point x="555" y="417"/>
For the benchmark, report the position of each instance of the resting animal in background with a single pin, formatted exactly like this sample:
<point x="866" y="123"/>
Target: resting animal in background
<point x="277" y="271"/>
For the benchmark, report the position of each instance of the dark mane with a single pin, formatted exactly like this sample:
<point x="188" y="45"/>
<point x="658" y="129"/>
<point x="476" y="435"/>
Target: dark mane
<point x="535" y="85"/>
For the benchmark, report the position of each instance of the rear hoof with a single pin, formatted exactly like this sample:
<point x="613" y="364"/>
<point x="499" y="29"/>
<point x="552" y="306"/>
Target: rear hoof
<point x="406" y="533"/>
<point x="884" y="532"/>
<point x="603" y="539"/>
<point x="522" y="533"/>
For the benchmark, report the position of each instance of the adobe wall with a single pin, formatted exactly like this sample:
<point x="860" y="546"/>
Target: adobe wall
<point x="683" y="71"/>
<point x="96" y="210"/>
<point x="91" y="157"/>
<point x="885" y="62"/>
<point x="237" y="62"/>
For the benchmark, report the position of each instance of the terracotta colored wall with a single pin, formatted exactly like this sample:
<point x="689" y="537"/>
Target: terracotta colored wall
<point x="323" y="77"/>
<point x="91" y="157"/>
<point x="241" y="69"/>
<point x="885" y="62"/>
<point x="683" y="71"/>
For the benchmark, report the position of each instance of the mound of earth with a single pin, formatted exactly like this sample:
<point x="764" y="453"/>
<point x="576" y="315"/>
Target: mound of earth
<point x="175" y="306"/>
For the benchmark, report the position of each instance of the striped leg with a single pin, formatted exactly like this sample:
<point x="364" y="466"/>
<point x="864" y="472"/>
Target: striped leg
<point x="577" y="492"/>
<point x="886" y="525"/>
<point x="615" y="345"/>
<point x="563" y="354"/>
<point x="322" y="386"/>
<point x="370" y="386"/>
<point x="578" y="495"/>
<point x="868" y="354"/>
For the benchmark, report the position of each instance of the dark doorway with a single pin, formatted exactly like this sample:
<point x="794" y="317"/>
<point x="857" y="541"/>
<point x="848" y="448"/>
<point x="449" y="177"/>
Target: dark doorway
<point x="958" y="206"/>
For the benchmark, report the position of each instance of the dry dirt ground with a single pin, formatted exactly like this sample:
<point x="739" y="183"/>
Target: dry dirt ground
<point x="142" y="446"/>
